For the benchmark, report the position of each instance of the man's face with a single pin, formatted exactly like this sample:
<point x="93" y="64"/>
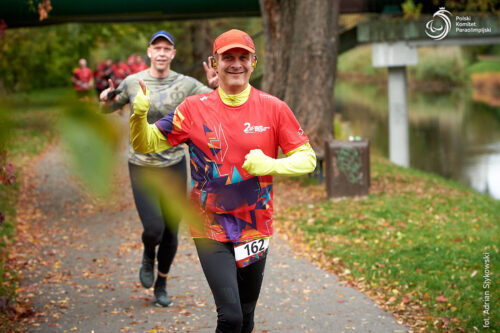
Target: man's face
<point x="161" y="53"/>
<point x="234" y="68"/>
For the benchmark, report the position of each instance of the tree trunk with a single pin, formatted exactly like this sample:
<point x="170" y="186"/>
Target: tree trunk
<point x="301" y="60"/>
<point x="201" y="41"/>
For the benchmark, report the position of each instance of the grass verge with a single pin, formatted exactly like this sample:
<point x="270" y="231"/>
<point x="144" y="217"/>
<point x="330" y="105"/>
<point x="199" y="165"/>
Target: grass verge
<point x="417" y="245"/>
<point x="438" y="69"/>
<point x="484" y="66"/>
<point x="28" y="119"/>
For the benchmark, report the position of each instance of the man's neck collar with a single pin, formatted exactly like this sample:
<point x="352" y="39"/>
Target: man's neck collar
<point x="159" y="75"/>
<point x="236" y="99"/>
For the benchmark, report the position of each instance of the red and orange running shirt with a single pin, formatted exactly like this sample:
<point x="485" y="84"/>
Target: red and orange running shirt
<point x="237" y="206"/>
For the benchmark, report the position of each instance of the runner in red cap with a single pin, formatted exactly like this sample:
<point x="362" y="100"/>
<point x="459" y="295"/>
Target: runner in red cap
<point x="233" y="134"/>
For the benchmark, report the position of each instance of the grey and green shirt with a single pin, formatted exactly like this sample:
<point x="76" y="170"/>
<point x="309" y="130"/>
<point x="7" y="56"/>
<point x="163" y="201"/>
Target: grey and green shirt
<point x="166" y="94"/>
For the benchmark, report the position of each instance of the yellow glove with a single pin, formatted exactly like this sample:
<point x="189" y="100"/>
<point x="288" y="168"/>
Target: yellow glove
<point x="142" y="101"/>
<point x="145" y="138"/>
<point x="258" y="164"/>
<point x="298" y="162"/>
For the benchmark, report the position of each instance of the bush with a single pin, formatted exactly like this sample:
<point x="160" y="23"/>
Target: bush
<point x="359" y="61"/>
<point x="439" y="64"/>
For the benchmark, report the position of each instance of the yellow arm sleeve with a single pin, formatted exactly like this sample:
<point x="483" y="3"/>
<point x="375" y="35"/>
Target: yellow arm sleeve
<point x="145" y="138"/>
<point x="299" y="161"/>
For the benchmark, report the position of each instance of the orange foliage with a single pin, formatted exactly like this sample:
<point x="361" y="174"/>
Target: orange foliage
<point x="44" y="8"/>
<point x="486" y="88"/>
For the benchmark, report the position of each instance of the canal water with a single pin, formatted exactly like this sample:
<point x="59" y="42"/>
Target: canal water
<point x="450" y="134"/>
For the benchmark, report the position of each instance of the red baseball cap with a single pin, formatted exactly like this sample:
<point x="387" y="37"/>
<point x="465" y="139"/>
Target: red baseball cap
<point x="233" y="39"/>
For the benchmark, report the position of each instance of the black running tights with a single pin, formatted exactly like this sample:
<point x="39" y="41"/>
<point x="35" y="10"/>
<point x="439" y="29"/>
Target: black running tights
<point x="157" y="229"/>
<point x="235" y="290"/>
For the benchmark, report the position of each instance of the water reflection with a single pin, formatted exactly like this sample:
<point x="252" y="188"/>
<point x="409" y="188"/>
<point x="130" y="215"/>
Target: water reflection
<point x="450" y="134"/>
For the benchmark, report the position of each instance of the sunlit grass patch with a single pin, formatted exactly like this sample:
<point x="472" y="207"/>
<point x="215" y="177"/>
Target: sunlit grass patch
<point x="484" y="66"/>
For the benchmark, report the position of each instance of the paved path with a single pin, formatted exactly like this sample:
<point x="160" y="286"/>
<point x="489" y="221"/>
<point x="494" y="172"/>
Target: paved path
<point x="82" y="272"/>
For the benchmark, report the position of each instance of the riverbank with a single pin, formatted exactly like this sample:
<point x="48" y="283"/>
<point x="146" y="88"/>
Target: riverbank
<point x="450" y="134"/>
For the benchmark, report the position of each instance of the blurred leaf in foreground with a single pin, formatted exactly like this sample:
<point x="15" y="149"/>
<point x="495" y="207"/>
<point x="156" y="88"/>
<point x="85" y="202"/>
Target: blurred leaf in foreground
<point x="91" y="141"/>
<point x="174" y="203"/>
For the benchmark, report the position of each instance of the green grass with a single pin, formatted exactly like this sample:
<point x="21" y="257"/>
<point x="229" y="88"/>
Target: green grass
<point x="484" y="66"/>
<point x="416" y="239"/>
<point x="27" y="127"/>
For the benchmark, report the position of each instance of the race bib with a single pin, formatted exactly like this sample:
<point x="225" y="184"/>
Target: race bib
<point x="250" y="252"/>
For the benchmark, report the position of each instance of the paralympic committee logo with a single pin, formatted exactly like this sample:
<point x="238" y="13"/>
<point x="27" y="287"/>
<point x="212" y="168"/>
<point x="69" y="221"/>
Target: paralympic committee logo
<point x="440" y="25"/>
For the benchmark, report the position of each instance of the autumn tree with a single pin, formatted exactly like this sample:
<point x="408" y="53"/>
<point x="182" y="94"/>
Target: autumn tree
<point x="301" y="60"/>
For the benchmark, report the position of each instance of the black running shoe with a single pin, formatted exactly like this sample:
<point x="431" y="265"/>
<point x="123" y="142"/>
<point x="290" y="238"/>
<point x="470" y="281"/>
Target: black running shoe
<point x="147" y="271"/>
<point x="162" y="298"/>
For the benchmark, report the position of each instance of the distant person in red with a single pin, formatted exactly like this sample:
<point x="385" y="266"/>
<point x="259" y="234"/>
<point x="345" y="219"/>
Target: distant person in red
<point x="108" y="71"/>
<point x="82" y="79"/>
<point x="99" y="77"/>
<point x="139" y="64"/>
<point x="121" y="71"/>
<point x="131" y="63"/>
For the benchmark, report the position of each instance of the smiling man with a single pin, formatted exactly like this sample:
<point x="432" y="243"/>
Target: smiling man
<point x="233" y="134"/>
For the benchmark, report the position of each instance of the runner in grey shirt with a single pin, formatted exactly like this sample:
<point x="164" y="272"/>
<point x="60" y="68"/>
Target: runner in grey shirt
<point x="169" y="89"/>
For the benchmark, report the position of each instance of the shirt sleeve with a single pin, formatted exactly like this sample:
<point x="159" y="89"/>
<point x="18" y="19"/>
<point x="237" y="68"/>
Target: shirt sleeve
<point x="299" y="161"/>
<point x="290" y="134"/>
<point x="176" y="125"/>
<point x="123" y="98"/>
<point x="199" y="88"/>
<point x="146" y="138"/>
